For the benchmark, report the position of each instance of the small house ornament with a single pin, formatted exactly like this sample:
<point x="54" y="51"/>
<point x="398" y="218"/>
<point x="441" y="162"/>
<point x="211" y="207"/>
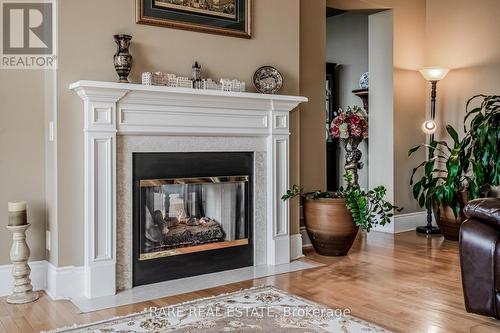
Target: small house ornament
<point x="196" y="75"/>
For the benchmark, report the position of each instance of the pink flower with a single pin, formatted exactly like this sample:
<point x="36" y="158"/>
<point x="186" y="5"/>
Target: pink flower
<point x="356" y="131"/>
<point x="351" y="123"/>
<point x="355" y="120"/>
<point x="335" y="131"/>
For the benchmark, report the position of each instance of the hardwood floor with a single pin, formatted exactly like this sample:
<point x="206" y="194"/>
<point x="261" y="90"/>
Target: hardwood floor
<point x="404" y="282"/>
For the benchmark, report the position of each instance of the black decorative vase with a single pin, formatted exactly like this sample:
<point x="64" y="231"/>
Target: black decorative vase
<point x="353" y="157"/>
<point x="122" y="59"/>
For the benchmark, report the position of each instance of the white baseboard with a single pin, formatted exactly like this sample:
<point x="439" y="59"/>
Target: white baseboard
<point x="38" y="277"/>
<point x="58" y="282"/>
<point x="69" y="282"/>
<point x="65" y="282"/>
<point x="410" y="221"/>
<point x="296" y="247"/>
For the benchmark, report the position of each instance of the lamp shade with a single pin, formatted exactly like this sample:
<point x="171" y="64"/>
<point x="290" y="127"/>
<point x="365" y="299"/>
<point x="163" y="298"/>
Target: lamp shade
<point x="434" y="73"/>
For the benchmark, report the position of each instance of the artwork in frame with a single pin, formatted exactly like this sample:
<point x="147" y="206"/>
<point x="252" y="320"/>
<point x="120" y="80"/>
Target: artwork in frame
<point x="225" y="17"/>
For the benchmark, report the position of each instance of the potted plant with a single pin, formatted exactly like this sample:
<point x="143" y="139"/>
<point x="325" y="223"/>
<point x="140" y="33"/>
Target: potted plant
<point x="333" y="218"/>
<point x="467" y="170"/>
<point x="443" y="184"/>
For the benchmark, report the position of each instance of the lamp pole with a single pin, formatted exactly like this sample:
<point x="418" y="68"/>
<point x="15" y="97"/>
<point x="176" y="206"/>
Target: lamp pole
<point x="433" y="75"/>
<point x="429" y="229"/>
<point x="433" y="111"/>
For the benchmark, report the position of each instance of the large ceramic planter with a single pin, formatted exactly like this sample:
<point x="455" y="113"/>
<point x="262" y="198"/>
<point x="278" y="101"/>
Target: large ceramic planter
<point x="330" y="226"/>
<point x="446" y="220"/>
<point x="447" y="223"/>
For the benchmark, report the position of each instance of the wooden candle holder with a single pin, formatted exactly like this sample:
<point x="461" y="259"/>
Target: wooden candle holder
<point x="19" y="255"/>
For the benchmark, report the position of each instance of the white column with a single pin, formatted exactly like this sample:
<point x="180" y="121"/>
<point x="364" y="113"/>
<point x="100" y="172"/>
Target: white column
<point x="381" y="116"/>
<point x="278" y="234"/>
<point x="100" y="190"/>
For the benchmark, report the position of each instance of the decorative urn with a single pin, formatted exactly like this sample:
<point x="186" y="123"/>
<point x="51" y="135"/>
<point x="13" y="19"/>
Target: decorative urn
<point x="122" y="59"/>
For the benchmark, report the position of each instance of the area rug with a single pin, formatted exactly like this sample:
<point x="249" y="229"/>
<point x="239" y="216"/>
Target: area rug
<point x="259" y="309"/>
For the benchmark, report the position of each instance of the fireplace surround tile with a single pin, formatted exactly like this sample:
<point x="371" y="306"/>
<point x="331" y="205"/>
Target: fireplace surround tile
<point x="126" y="145"/>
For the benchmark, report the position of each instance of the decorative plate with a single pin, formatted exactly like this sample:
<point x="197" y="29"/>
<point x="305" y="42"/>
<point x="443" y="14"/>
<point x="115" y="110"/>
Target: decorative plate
<point x="363" y="81"/>
<point x="267" y="80"/>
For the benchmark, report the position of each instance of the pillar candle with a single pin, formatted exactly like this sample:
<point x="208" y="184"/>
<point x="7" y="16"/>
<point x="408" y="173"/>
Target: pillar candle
<point x="17" y="213"/>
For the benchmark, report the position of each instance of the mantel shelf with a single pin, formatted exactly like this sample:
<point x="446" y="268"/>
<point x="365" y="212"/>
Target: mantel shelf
<point x="84" y="87"/>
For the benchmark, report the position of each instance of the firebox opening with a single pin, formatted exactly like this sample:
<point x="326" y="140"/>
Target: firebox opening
<point x="192" y="214"/>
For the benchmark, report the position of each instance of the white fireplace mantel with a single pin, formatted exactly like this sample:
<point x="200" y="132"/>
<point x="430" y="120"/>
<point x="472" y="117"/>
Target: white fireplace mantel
<point x="112" y="109"/>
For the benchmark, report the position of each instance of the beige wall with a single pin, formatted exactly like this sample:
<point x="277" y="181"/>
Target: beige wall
<point x="467" y="42"/>
<point x="409" y="94"/>
<point x="51" y="166"/>
<point x="22" y="146"/>
<point x="312" y="85"/>
<point x="86" y="51"/>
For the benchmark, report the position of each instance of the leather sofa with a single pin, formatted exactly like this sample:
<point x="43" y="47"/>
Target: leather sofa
<point x="480" y="256"/>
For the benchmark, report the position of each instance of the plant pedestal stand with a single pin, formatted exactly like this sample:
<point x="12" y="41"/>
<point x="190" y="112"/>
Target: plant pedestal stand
<point x="19" y="255"/>
<point x="429" y="229"/>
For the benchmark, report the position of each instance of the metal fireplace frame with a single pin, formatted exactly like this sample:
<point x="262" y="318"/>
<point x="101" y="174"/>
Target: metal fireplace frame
<point x="178" y="165"/>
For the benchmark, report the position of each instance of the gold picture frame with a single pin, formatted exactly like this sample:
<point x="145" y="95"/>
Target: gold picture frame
<point x="149" y="13"/>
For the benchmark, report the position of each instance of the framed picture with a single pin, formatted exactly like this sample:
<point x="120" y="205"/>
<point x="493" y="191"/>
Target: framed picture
<point x="225" y="17"/>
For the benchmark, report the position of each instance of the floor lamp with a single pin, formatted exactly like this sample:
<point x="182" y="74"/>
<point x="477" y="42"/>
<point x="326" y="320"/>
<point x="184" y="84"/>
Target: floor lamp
<point x="433" y="75"/>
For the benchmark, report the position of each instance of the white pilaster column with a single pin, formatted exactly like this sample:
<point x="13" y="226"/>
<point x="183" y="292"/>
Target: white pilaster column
<point x="278" y="233"/>
<point x="100" y="190"/>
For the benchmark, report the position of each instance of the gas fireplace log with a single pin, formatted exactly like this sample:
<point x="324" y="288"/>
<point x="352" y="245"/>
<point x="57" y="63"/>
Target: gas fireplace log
<point x="184" y="235"/>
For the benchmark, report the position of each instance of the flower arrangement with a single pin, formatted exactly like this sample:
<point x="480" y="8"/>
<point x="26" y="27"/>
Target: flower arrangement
<point x="351" y="123"/>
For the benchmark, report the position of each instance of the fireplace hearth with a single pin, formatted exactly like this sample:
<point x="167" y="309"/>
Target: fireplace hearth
<point x="192" y="214"/>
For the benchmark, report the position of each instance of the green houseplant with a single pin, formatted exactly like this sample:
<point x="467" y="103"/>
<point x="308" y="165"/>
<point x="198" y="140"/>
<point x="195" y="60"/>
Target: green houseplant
<point x="484" y="135"/>
<point x="466" y="170"/>
<point x="443" y="184"/>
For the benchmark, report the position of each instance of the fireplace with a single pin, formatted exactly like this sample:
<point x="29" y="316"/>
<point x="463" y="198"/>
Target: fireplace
<point x="123" y="121"/>
<point x="191" y="214"/>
